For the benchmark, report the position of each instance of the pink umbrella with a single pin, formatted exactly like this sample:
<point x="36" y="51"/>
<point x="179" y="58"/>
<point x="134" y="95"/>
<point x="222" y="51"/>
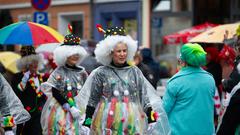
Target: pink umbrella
<point x="185" y="35"/>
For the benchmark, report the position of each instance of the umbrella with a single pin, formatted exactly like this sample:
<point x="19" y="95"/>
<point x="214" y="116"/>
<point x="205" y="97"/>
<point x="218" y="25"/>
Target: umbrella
<point x="49" y="47"/>
<point x="8" y="60"/>
<point x="216" y="34"/>
<point x="185" y="35"/>
<point x="29" y="33"/>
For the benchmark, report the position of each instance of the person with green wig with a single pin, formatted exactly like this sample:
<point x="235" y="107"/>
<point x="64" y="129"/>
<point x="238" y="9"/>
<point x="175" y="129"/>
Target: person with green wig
<point x="189" y="97"/>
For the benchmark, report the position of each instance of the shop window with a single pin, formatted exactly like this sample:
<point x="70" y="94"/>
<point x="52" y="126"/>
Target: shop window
<point x="78" y="28"/>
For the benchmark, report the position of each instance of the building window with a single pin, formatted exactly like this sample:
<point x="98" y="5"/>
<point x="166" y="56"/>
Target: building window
<point x="25" y="17"/>
<point x="163" y="5"/>
<point x="131" y="27"/>
<point x="181" y="5"/>
<point x="174" y="6"/>
<point x="78" y="27"/>
<point x="73" y="18"/>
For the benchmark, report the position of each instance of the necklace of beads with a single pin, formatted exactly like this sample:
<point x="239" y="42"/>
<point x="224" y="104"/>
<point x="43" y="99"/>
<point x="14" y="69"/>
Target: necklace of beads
<point x="35" y="88"/>
<point x="38" y="92"/>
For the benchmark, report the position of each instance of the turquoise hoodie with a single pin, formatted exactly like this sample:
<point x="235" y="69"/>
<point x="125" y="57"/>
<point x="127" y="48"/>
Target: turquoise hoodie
<point x="189" y="102"/>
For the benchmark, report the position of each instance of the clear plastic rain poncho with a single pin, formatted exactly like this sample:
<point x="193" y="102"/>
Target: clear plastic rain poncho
<point x="120" y="97"/>
<point x="54" y="119"/>
<point x="10" y="103"/>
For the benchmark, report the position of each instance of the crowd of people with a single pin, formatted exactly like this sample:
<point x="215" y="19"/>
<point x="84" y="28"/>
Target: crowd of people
<point x="119" y="95"/>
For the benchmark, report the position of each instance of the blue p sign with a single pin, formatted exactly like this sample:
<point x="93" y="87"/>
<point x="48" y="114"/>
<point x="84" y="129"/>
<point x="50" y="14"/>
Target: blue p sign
<point x="41" y="17"/>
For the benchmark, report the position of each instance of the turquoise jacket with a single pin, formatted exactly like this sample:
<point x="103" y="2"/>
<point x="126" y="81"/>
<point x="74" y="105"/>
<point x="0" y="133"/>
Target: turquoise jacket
<point x="189" y="102"/>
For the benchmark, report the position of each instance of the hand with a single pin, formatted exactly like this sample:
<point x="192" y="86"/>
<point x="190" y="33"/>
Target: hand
<point x="85" y="130"/>
<point x="226" y="34"/>
<point x="75" y="112"/>
<point x="26" y="77"/>
<point x="66" y="106"/>
<point x="151" y="127"/>
<point x="10" y="132"/>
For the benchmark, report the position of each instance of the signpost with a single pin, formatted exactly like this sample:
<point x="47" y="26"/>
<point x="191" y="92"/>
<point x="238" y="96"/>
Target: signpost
<point x="40" y="5"/>
<point x="40" y="17"/>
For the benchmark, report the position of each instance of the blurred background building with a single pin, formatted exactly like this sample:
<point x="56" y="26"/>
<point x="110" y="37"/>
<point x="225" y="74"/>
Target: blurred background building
<point x="145" y="20"/>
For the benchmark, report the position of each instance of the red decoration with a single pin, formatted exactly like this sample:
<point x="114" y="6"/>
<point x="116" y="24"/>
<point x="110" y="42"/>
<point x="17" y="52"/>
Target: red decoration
<point x="40" y="108"/>
<point x="185" y="35"/>
<point x="155" y="115"/>
<point x="122" y="120"/>
<point x="100" y="29"/>
<point x="11" y="120"/>
<point x="227" y="54"/>
<point x="69" y="94"/>
<point x="31" y="81"/>
<point x="70" y="28"/>
<point x="28" y="108"/>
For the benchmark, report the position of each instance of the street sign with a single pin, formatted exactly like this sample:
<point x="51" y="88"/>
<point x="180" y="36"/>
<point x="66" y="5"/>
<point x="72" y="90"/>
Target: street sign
<point x="40" y="4"/>
<point x="40" y="17"/>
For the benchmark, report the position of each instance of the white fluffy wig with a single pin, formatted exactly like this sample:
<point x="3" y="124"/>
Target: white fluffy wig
<point x="105" y="47"/>
<point x="62" y="52"/>
<point x="24" y="62"/>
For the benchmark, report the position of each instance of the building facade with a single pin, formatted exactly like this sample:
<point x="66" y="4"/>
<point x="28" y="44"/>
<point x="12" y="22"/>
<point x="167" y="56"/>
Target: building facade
<point x="120" y="13"/>
<point x="78" y="13"/>
<point x="60" y="13"/>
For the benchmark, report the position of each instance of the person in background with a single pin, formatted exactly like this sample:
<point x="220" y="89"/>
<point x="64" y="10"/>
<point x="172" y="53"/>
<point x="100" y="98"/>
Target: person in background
<point x="118" y="98"/>
<point x="61" y="114"/>
<point x="12" y="111"/>
<point x="147" y="72"/>
<point x="214" y="67"/>
<point x="188" y="100"/>
<point x="152" y="64"/>
<point x="48" y="64"/>
<point x="226" y="58"/>
<point x="26" y="85"/>
<point x="90" y="63"/>
<point x="229" y="123"/>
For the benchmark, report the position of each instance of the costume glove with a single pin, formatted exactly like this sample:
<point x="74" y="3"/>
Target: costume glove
<point x="85" y="130"/>
<point x="26" y="77"/>
<point x="9" y="132"/>
<point x="89" y="113"/>
<point x="151" y="127"/>
<point x="152" y="116"/>
<point x="75" y="112"/>
<point x="66" y="106"/>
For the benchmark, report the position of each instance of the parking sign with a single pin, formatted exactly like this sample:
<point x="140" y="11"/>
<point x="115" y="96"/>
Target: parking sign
<point x="41" y="17"/>
<point x="41" y="5"/>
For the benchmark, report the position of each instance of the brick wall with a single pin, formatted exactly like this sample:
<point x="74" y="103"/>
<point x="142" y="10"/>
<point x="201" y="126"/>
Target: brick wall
<point x="54" y="11"/>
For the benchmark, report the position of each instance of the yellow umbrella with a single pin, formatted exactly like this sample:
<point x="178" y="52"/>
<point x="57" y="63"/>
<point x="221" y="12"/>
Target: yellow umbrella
<point x="8" y="60"/>
<point x="216" y="34"/>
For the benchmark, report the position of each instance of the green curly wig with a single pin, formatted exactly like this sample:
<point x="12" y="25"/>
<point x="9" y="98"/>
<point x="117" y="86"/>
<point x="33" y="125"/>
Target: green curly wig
<point x="193" y="54"/>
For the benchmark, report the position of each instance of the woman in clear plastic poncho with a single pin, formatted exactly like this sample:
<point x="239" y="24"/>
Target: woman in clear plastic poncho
<point x="12" y="111"/>
<point x="118" y="99"/>
<point x="61" y="114"/>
